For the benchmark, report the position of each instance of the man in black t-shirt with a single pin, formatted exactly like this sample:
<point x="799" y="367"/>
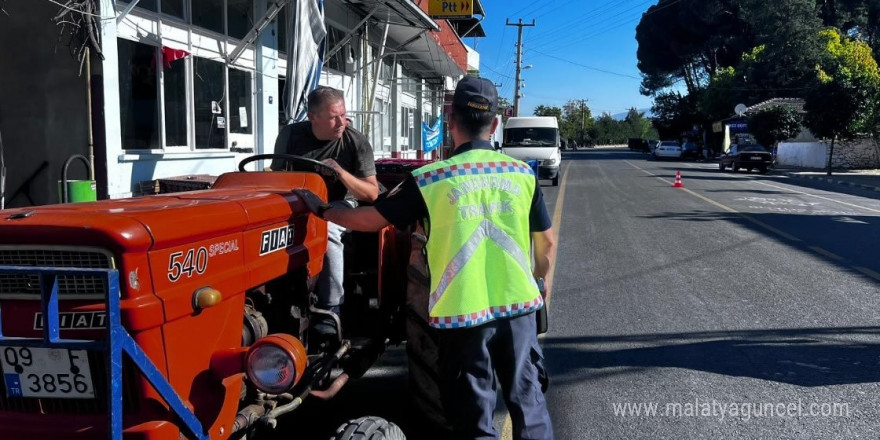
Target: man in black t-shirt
<point x="327" y="137"/>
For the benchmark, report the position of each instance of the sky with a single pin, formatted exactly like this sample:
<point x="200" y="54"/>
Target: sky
<point x="578" y="49"/>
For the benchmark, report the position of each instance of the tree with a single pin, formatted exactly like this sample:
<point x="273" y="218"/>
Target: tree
<point x="543" y="110"/>
<point x="787" y="32"/>
<point x="638" y="126"/>
<point x="688" y="41"/>
<point x="722" y="94"/>
<point x="674" y="114"/>
<point x="577" y="120"/>
<point x="843" y="101"/>
<point x="775" y="124"/>
<point x="835" y="110"/>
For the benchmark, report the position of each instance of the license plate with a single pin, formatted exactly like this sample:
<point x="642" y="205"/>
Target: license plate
<point x="757" y="158"/>
<point x="46" y="372"/>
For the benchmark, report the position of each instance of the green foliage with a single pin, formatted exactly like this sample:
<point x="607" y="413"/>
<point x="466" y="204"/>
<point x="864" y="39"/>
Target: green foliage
<point x="838" y="109"/>
<point x="787" y="48"/>
<point x="577" y="120"/>
<point x="775" y="124"/>
<point x="543" y="110"/>
<point x="843" y="101"/>
<point x="606" y="130"/>
<point x="638" y="126"/>
<point x="688" y="41"/>
<point x="849" y="58"/>
<point x="722" y="94"/>
<point x="674" y="114"/>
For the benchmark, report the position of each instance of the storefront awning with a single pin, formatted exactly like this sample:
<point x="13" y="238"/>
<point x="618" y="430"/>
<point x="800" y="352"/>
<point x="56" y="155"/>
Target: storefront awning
<point x="408" y="39"/>
<point x="395" y="12"/>
<point x="420" y="53"/>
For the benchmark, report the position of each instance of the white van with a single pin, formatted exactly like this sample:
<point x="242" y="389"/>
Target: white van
<point x="534" y="138"/>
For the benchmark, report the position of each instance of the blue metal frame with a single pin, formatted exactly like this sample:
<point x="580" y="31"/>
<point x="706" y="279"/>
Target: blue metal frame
<point x="117" y="341"/>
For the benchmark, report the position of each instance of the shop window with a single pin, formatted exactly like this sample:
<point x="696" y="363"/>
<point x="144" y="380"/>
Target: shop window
<point x="149" y="5"/>
<point x="407" y="123"/>
<point x="282" y="118"/>
<point x="175" y="101"/>
<point x="387" y="124"/>
<point x="209" y="106"/>
<point x="172" y="7"/>
<point x="138" y="95"/>
<point x="281" y="20"/>
<point x="380" y="128"/>
<point x="241" y="17"/>
<point x="388" y="68"/>
<point x="241" y="102"/>
<point x="208" y="14"/>
<point x="409" y="82"/>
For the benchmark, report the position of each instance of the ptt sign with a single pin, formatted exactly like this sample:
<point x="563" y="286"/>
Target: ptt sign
<point x="451" y="9"/>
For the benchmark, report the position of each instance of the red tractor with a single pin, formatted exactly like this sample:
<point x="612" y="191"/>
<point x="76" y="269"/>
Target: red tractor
<point x="186" y="314"/>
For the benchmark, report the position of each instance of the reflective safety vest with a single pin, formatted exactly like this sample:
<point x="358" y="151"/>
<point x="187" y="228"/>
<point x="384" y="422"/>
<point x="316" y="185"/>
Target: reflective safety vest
<point x="478" y="238"/>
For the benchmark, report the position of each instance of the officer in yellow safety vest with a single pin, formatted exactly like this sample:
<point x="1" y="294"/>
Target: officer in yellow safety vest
<point x="482" y="211"/>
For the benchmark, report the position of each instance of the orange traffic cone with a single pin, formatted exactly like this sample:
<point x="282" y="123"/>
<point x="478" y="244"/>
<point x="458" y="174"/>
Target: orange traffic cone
<point x="677" y="183"/>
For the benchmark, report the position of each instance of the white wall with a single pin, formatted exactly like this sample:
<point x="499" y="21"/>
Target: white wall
<point x="802" y="154"/>
<point x="854" y="154"/>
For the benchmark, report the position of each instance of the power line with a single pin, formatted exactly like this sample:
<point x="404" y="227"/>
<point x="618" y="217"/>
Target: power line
<point x="617" y="24"/>
<point x="582" y="19"/>
<point x="592" y="31"/>
<point x="497" y="72"/>
<point x="624" y="75"/>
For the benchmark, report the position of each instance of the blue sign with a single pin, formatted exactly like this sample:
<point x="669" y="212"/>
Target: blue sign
<point x="432" y="137"/>
<point x="13" y="385"/>
<point x="739" y="126"/>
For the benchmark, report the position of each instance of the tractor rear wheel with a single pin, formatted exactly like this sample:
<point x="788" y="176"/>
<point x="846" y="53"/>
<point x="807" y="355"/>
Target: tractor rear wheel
<point x="369" y="428"/>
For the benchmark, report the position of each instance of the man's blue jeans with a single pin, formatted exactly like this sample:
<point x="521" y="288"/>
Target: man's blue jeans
<point x="330" y="290"/>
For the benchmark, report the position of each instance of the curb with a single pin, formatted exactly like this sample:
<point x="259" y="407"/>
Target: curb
<point x="832" y="180"/>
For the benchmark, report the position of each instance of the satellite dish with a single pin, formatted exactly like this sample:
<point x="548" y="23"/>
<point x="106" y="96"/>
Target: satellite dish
<point x="740" y="109"/>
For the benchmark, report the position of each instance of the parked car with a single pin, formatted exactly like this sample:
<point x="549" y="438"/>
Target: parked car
<point x="668" y="149"/>
<point x="652" y="144"/>
<point x="749" y="156"/>
<point x="690" y="150"/>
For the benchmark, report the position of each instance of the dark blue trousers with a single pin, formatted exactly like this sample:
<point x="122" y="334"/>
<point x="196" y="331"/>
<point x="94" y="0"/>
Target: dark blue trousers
<point x="472" y="359"/>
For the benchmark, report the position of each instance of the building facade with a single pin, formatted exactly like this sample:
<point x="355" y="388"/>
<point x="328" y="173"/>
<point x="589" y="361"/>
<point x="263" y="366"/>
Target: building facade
<point x="191" y="87"/>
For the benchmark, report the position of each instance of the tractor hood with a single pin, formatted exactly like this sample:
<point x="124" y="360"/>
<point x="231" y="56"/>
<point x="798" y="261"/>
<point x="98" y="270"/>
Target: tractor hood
<point x="161" y="221"/>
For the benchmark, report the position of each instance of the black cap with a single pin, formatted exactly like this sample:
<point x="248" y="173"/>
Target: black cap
<point x="476" y="93"/>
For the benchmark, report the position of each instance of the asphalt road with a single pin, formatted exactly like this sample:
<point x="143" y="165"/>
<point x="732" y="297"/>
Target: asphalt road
<point x="739" y="306"/>
<point x="738" y="291"/>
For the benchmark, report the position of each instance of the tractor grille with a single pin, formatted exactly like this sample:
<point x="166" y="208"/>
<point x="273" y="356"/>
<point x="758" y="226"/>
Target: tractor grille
<point x="79" y="287"/>
<point x="22" y="286"/>
<point x="96" y="405"/>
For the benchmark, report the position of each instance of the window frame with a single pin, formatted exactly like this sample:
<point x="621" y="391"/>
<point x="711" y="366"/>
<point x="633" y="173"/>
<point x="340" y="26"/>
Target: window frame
<point x="198" y="42"/>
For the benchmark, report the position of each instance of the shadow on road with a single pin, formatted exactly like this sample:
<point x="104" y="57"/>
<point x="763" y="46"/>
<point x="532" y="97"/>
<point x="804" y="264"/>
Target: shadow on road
<point x="806" y="357"/>
<point x="839" y="229"/>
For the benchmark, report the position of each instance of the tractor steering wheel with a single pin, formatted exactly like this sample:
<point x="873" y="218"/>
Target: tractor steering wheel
<point x="300" y="162"/>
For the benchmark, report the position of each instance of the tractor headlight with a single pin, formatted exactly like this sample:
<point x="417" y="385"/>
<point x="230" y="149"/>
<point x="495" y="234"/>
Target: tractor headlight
<point x="276" y="363"/>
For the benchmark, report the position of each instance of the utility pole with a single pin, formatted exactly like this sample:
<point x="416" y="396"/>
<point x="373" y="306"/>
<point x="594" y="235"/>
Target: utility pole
<point x="520" y="26"/>
<point x="582" y="133"/>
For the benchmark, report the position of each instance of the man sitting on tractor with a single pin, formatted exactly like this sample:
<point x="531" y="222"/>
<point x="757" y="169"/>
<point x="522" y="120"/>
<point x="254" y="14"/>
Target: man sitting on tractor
<point x="327" y="137"/>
